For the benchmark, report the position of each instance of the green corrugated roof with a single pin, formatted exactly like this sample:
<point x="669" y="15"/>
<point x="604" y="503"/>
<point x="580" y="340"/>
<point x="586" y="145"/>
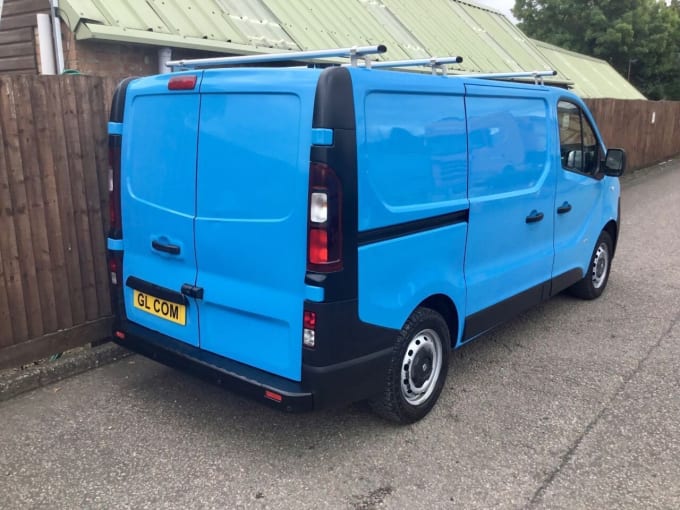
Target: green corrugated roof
<point x="485" y="38"/>
<point x="592" y="77"/>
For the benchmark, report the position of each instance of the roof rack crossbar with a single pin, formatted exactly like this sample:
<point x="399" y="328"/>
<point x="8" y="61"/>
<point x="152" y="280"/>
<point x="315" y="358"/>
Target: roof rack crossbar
<point x="436" y="63"/>
<point x="536" y="75"/>
<point x="353" y="53"/>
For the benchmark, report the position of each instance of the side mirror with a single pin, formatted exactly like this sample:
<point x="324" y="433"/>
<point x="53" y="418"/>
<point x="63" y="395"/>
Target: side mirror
<point x="574" y="159"/>
<point x="615" y="162"/>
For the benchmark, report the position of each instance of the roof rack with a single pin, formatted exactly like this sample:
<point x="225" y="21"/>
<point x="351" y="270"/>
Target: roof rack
<point x="536" y="75"/>
<point x="353" y="53"/>
<point x="436" y="63"/>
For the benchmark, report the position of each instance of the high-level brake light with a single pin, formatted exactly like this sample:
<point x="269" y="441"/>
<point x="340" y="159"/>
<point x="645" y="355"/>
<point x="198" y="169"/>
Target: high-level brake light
<point x="183" y="82"/>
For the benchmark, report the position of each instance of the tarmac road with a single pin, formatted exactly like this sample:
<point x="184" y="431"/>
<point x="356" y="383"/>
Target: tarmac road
<point x="572" y="405"/>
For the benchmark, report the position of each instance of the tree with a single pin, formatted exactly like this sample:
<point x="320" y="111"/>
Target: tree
<point x="640" y="35"/>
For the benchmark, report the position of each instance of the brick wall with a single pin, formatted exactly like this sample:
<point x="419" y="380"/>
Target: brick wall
<point x="116" y="60"/>
<point x="108" y="59"/>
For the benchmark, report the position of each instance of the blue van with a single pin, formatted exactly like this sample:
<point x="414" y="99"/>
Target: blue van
<point x="314" y="236"/>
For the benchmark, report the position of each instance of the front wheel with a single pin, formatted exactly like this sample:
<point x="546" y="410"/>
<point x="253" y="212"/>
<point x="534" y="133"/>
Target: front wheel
<point x="420" y="362"/>
<point x="594" y="282"/>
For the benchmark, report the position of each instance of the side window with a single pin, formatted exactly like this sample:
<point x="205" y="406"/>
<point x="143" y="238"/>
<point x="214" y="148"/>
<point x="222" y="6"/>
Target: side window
<point x="579" y="148"/>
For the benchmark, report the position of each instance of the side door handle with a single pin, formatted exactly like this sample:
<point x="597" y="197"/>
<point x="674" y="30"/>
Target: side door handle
<point x="534" y="216"/>
<point x="564" y="208"/>
<point x="172" y="249"/>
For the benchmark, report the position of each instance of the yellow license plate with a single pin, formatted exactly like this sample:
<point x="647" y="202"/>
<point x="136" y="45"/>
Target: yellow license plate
<point x="167" y="310"/>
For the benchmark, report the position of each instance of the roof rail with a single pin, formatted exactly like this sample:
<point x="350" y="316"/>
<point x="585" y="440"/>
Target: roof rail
<point x="353" y="53"/>
<point x="536" y="75"/>
<point x="436" y="63"/>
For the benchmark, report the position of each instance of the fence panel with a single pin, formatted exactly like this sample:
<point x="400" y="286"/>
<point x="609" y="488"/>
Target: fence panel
<point x="649" y="131"/>
<point x="53" y="154"/>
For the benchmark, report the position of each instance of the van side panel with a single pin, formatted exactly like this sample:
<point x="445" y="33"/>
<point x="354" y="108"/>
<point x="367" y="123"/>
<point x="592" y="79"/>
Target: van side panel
<point x="251" y="220"/>
<point x="396" y="275"/>
<point x="412" y="161"/>
<point x="158" y="186"/>
<point x="511" y="190"/>
<point x="412" y="193"/>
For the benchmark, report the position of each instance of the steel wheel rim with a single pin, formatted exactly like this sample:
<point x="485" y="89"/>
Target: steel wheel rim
<point x="600" y="265"/>
<point x="421" y="367"/>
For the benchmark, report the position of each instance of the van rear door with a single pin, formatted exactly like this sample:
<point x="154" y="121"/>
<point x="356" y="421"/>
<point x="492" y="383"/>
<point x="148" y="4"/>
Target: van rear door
<point x="158" y="198"/>
<point x="251" y="220"/>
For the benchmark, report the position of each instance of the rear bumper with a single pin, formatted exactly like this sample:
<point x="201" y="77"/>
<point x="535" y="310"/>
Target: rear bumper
<point x="320" y="386"/>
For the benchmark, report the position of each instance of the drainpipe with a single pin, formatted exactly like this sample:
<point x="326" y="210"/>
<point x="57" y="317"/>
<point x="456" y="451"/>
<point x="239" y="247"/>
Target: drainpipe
<point x="56" y="25"/>
<point x="45" y="42"/>
<point x="164" y="56"/>
<point x="1" y="2"/>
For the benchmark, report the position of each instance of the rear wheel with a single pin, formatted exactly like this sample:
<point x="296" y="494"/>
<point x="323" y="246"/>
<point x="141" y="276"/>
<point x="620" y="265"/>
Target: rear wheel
<point x="594" y="282"/>
<point x="420" y="362"/>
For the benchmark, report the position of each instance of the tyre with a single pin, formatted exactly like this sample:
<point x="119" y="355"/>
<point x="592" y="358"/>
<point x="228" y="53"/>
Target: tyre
<point x="418" y="368"/>
<point x="594" y="282"/>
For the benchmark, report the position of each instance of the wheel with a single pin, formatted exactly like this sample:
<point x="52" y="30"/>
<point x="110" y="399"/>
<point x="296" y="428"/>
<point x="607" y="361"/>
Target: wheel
<point x="594" y="282"/>
<point x="418" y="368"/>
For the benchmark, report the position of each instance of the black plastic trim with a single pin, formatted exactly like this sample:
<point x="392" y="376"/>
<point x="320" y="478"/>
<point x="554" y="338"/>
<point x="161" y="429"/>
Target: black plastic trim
<point x="342" y="336"/>
<point x="334" y="109"/>
<point x="192" y="291"/>
<point x="412" y="227"/>
<point x="495" y="315"/>
<point x="564" y="281"/>
<point x="334" y="100"/>
<point x="118" y="101"/>
<point x="236" y="376"/>
<point x="487" y="319"/>
<point x="618" y="228"/>
<point x="349" y="381"/>
<point x="156" y="290"/>
<point x="321" y="386"/>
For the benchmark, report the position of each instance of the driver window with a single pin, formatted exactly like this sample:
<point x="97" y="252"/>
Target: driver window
<point x="579" y="149"/>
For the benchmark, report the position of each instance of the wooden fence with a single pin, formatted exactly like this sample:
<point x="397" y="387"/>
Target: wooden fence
<point x="53" y="201"/>
<point x="53" y="193"/>
<point x="649" y="131"/>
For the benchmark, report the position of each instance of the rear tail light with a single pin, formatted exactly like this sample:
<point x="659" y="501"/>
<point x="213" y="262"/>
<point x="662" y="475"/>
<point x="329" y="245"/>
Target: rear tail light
<point x="309" y="329"/>
<point x="113" y="271"/>
<point x="324" y="231"/>
<point x="115" y="263"/>
<point x="115" y="225"/>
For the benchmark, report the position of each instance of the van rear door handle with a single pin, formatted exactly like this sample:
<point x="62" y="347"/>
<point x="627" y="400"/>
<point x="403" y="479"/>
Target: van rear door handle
<point x="564" y="208"/>
<point x="192" y="291"/>
<point x="172" y="249"/>
<point x="534" y="216"/>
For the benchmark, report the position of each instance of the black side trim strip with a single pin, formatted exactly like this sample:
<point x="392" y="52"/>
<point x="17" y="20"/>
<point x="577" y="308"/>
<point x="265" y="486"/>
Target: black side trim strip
<point x="412" y="227"/>
<point x="487" y="319"/>
<point x="156" y="290"/>
<point x="565" y="280"/>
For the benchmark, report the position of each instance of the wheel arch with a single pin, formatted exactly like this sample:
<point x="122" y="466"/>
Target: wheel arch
<point x="612" y="228"/>
<point x="444" y="306"/>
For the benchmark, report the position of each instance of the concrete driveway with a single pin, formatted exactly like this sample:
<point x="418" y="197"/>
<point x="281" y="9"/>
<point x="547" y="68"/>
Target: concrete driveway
<point x="572" y="405"/>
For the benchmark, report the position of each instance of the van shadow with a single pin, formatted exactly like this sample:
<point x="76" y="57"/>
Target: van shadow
<point x="199" y="407"/>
